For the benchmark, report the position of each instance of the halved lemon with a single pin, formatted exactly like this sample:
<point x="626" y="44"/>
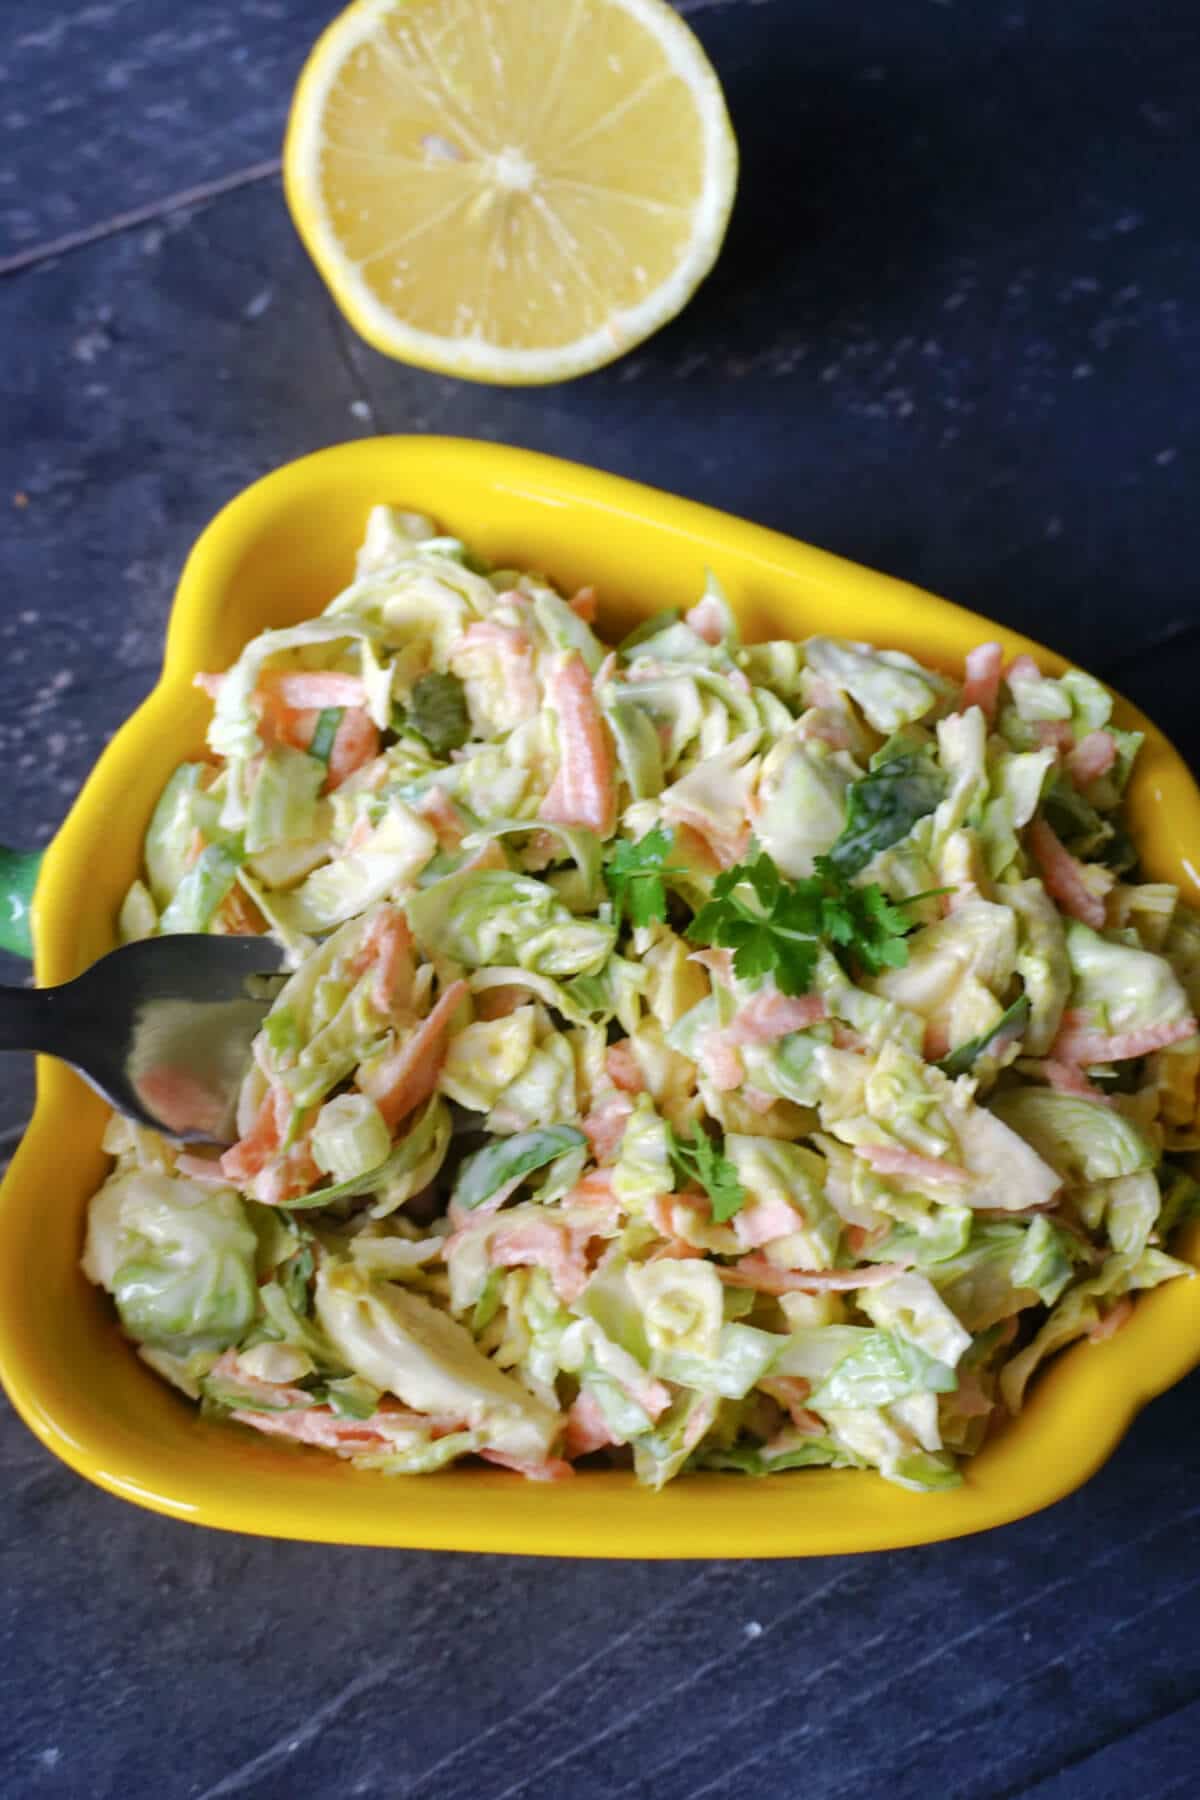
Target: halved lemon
<point x="510" y="190"/>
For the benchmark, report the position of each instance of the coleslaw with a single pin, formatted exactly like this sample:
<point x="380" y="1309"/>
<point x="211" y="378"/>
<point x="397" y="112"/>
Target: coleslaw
<point x="695" y="1055"/>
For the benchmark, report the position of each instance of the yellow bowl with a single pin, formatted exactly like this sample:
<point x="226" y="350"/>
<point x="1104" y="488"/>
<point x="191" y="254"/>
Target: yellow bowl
<point x="276" y="555"/>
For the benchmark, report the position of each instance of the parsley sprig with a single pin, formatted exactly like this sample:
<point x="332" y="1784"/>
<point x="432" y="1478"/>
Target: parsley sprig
<point x="633" y="875"/>
<point x="700" y="1160"/>
<point x="776" y="927"/>
<point x="438" y="713"/>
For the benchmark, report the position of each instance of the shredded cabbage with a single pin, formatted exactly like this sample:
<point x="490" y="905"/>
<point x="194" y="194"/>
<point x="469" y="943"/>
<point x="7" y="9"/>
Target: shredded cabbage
<point x="562" y="1143"/>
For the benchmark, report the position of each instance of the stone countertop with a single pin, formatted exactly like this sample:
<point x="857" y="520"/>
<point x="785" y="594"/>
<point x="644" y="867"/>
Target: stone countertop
<point x="955" y="334"/>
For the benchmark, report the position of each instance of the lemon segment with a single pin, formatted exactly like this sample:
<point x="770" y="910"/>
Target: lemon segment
<point x="514" y="191"/>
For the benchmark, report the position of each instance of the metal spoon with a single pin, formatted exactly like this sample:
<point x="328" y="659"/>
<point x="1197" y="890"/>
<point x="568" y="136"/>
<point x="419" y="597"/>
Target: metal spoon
<point x="161" y="1029"/>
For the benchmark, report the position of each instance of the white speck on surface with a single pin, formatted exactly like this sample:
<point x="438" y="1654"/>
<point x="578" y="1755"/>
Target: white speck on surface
<point x="1053" y="527"/>
<point x="954" y="301"/>
<point x="360" y="409"/>
<point x="830" y="372"/>
<point x="1127" y="222"/>
<point x="29" y="617"/>
<point x="255" y="308"/>
<point x="752" y="1629"/>
<point x="1165" y="458"/>
<point x="90" y="344"/>
<point x="152" y="240"/>
<point x="1081" y="371"/>
<point x="50" y="1757"/>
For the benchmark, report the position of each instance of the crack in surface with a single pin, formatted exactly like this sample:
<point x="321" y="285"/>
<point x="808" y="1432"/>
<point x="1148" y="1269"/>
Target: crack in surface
<point x="140" y="215"/>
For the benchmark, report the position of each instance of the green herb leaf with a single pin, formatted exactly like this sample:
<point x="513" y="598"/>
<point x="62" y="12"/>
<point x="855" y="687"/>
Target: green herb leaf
<point x="438" y="713"/>
<point x="510" y="1159"/>
<point x="775" y="927"/>
<point x="876" y="928"/>
<point x="884" y="806"/>
<point x="1009" y="1024"/>
<point x="1075" y="820"/>
<point x="294" y="1276"/>
<point x="633" y="876"/>
<point x="326" y="730"/>
<point x="702" y="1161"/>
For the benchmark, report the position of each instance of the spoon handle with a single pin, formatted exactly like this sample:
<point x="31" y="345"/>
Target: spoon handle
<point x="31" y="1019"/>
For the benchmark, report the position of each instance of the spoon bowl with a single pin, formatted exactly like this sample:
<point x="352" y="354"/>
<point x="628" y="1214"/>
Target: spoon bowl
<point x="161" y="1028"/>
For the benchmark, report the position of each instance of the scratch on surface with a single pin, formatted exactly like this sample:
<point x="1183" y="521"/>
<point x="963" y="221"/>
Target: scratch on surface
<point x="139" y="215"/>
<point x="1177" y="633"/>
<point x="603" y="1654"/>
<point x="362" y="407"/>
<point x="695" y="6"/>
<point x="312" y="1728"/>
<point x="863" y="1696"/>
<point x="677" y="1687"/>
<point x="939" y="1731"/>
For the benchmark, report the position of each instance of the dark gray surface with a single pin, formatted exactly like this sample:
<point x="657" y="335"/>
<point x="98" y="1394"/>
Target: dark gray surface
<point x="956" y="334"/>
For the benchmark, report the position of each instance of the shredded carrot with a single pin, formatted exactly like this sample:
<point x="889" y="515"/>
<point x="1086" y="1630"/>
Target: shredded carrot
<point x="1093" y="756"/>
<point x="437" y="806"/>
<point x="624" y="1068"/>
<point x="893" y="1159"/>
<point x="553" y="1469"/>
<point x="1063" y="875"/>
<point x="388" y="946"/>
<point x="1117" y="1315"/>
<point x="756" y="1272"/>
<point x="407" y="1077"/>
<point x="707" y="619"/>
<point x="982" y="686"/>
<point x="310" y="689"/>
<point x="261" y="1164"/>
<point x="355" y="743"/>
<point x="1077" y="1042"/>
<point x="585" y="790"/>
<point x="587" y="1428"/>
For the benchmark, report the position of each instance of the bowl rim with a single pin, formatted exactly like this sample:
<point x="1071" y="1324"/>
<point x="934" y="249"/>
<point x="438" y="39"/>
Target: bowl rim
<point x="1083" y="1403"/>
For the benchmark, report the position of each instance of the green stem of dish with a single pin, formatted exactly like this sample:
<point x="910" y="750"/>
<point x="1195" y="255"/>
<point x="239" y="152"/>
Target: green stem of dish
<point x="18" y="877"/>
